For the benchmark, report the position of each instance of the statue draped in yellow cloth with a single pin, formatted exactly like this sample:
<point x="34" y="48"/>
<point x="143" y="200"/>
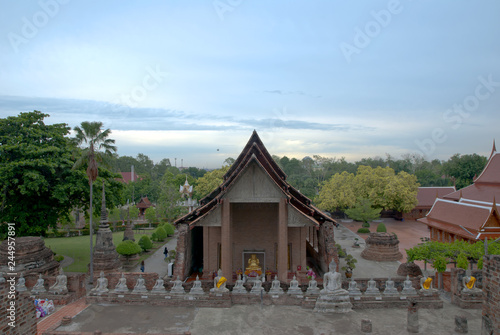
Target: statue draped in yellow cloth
<point x="253" y="263"/>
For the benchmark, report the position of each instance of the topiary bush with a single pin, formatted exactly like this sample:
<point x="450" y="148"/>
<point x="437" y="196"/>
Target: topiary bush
<point x="363" y="230"/>
<point x="128" y="248"/>
<point x="145" y="243"/>
<point x="365" y="225"/>
<point x="161" y="234"/>
<point x="59" y="258"/>
<point x="169" y="229"/>
<point x="381" y="228"/>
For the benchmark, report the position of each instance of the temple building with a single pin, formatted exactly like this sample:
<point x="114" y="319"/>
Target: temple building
<point x="470" y="213"/>
<point x="143" y="204"/>
<point x="254" y="223"/>
<point x="426" y="197"/>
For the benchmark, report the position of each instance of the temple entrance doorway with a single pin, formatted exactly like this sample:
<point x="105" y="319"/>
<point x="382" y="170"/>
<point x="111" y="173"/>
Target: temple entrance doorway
<point x="197" y="250"/>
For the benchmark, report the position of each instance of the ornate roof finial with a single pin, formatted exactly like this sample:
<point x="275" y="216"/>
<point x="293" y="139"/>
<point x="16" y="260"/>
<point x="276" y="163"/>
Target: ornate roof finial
<point x="494" y="149"/>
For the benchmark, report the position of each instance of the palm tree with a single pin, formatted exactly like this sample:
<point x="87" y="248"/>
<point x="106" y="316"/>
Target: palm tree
<point x="97" y="147"/>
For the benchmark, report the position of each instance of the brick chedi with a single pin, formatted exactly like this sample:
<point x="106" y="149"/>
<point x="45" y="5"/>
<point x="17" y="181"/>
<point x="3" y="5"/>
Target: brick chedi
<point x="382" y="247"/>
<point x="105" y="255"/>
<point x="31" y="256"/>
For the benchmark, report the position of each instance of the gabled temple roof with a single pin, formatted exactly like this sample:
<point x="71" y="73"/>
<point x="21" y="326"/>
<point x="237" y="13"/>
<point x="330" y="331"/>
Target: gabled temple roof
<point x="471" y="212"/>
<point x="486" y="186"/>
<point x="255" y="151"/>
<point x="144" y="203"/>
<point x="427" y="195"/>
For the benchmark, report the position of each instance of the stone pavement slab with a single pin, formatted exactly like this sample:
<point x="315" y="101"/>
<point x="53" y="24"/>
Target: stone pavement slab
<point x="254" y="319"/>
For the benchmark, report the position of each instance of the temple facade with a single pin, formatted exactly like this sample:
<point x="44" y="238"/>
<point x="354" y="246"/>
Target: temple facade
<point x="254" y="223"/>
<point x="470" y="213"/>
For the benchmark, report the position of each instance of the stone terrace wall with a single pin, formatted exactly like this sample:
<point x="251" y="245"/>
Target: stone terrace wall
<point x="491" y="295"/>
<point x="25" y="315"/>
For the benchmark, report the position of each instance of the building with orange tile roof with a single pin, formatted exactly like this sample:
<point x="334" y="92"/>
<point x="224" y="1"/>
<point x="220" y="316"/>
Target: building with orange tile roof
<point x="426" y="197"/>
<point x="470" y="213"/>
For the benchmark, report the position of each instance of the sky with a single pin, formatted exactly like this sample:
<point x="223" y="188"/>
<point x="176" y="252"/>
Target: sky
<point x="191" y="80"/>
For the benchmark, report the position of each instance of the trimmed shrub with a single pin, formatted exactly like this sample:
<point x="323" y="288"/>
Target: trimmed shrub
<point x="161" y="234"/>
<point x="58" y="258"/>
<point x="145" y="243"/>
<point x="365" y="225"/>
<point x="154" y="236"/>
<point x="363" y="230"/>
<point x="381" y="228"/>
<point x="169" y="229"/>
<point x="128" y="248"/>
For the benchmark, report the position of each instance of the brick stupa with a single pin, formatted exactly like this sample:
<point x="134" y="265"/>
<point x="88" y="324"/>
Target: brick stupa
<point x="31" y="256"/>
<point x="105" y="255"/>
<point x="382" y="247"/>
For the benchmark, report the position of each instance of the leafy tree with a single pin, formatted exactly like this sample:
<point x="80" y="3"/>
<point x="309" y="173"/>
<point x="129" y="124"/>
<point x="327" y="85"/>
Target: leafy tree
<point x="128" y="248"/>
<point x="337" y="192"/>
<point x="134" y="212"/>
<point x="99" y="148"/>
<point x="168" y="202"/>
<point x="161" y="234"/>
<point x="37" y="184"/>
<point x="150" y="214"/>
<point x="209" y="182"/>
<point x="381" y="228"/>
<point x="401" y="191"/>
<point x="463" y="168"/>
<point x="363" y="211"/>
<point x="169" y="229"/>
<point x="145" y="243"/>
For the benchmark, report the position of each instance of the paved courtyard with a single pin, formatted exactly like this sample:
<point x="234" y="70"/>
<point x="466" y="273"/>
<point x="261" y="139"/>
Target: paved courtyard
<point x="257" y="319"/>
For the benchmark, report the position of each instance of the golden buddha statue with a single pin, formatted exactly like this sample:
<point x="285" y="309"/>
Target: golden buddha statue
<point x="253" y="263"/>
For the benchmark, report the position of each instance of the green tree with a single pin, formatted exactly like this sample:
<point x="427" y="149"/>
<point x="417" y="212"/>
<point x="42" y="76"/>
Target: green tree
<point x="401" y="191"/>
<point x="161" y="234"/>
<point x="363" y="211"/>
<point x="128" y="248"/>
<point x="463" y="168"/>
<point x="168" y="201"/>
<point x="337" y="193"/>
<point x="209" y="182"/>
<point x="145" y="243"/>
<point x="150" y="214"/>
<point x="37" y="184"/>
<point x="97" y="147"/>
<point x="169" y="229"/>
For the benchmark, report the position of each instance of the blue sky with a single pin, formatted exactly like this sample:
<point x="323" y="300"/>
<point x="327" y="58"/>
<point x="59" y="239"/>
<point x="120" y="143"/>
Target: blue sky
<point x="192" y="79"/>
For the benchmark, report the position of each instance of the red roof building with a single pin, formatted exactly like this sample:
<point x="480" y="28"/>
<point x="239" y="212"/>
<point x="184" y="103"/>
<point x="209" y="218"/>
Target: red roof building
<point x="254" y="213"/>
<point x="128" y="177"/>
<point x="143" y="204"/>
<point x="426" y="197"/>
<point x="470" y="213"/>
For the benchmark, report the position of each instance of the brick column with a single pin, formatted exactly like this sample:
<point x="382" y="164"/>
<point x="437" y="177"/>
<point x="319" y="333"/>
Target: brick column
<point x="303" y="248"/>
<point x="283" y="240"/>
<point x="226" y="242"/>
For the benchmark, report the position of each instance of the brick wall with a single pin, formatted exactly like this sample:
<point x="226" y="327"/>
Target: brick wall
<point x="491" y="295"/>
<point x="24" y="317"/>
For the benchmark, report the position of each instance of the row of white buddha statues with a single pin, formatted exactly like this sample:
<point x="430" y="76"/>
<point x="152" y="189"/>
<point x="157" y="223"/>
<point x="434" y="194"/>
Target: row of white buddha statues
<point x="59" y="287"/>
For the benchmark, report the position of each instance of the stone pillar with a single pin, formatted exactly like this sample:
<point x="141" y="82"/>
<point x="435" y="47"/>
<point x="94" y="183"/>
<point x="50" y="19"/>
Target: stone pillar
<point x="303" y="248"/>
<point x="461" y="326"/>
<point x="283" y="240"/>
<point x="366" y="326"/>
<point x="412" y="322"/>
<point x="226" y="242"/>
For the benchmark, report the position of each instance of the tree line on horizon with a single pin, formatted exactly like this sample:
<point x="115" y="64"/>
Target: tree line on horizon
<point x="40" y="184"/>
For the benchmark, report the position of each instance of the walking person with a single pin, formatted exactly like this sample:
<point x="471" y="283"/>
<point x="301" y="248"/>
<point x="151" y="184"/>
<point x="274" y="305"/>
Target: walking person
<point x="142" y="266"/>
<point x="165" y="252"/>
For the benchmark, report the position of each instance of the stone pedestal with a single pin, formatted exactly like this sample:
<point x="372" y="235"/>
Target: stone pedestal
<point x="366" y="326"/>
<point x="333" y="303"/>
<point x="461" y="326"/>
<point x="412" y="322"/>
<point x="128" y="234"/>
<point x="382" y="247"/>
<point x="32" y="256"/>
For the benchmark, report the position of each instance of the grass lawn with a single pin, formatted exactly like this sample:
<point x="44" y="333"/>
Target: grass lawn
<point x="78" y="248"/>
